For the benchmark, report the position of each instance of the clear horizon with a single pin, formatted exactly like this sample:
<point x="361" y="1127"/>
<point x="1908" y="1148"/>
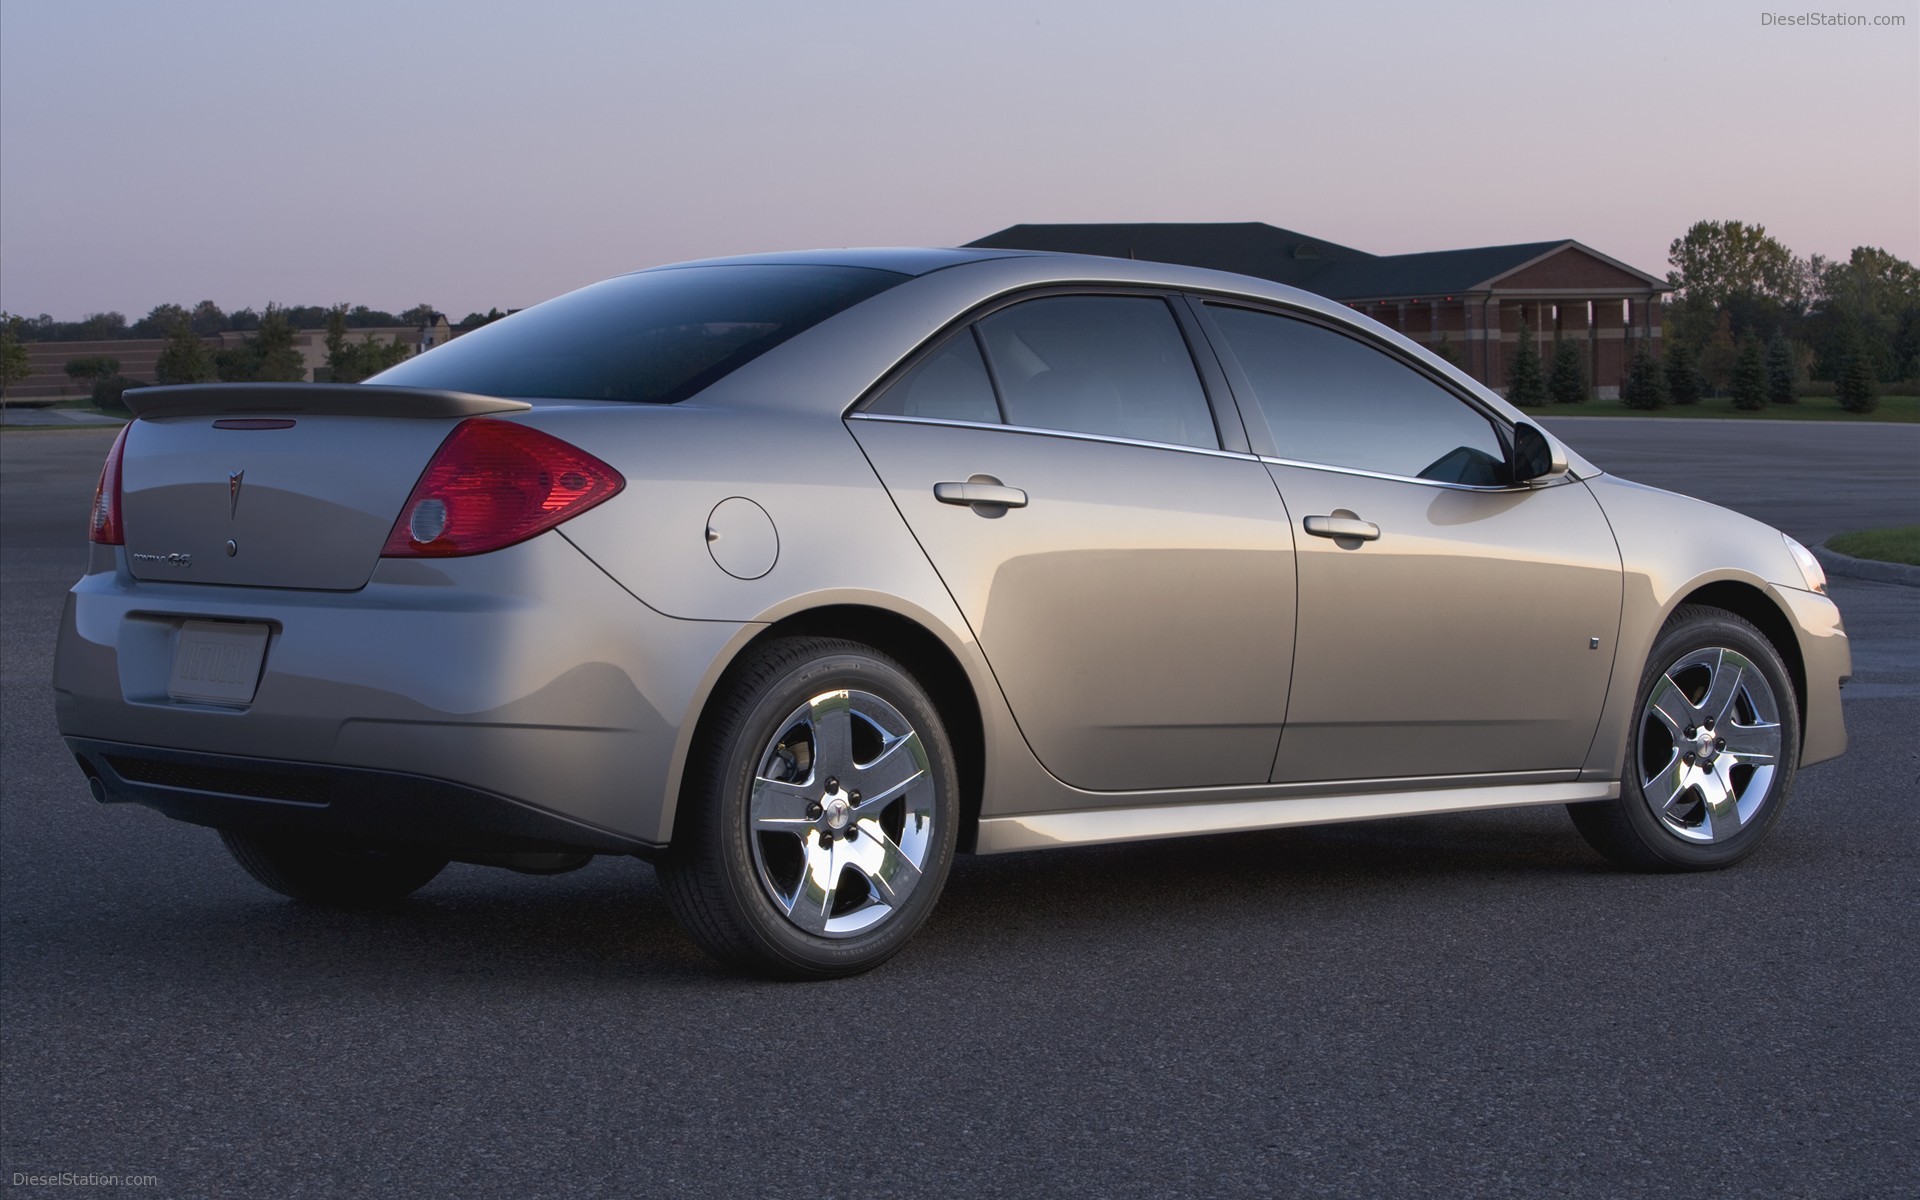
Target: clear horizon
<point x="480" y="155"/>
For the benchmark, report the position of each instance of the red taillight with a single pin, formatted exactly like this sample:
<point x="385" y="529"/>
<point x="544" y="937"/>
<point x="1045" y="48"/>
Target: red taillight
<point x="106" y="526"/>
<point x="494" y="483"/>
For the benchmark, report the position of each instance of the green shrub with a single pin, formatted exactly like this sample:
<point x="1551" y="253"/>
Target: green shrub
<point x="109" y="393"/>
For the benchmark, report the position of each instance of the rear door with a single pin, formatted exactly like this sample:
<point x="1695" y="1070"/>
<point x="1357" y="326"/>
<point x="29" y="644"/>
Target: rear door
<point x="1469" y="627"/>
<point x="1130" y="583"/>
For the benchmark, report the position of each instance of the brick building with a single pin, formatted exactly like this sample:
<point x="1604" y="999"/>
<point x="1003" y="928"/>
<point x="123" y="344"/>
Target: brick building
<point x="1474" y="300"/>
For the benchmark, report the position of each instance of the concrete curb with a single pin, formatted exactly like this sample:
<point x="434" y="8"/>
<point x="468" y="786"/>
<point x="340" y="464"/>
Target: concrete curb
<point x="1837" y="563"/>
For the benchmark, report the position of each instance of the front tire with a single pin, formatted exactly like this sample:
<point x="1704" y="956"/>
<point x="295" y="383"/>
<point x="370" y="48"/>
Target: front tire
<point x="333" y="874"/>
<point x="819" y="817"/>
<point x="1711" y="755"/>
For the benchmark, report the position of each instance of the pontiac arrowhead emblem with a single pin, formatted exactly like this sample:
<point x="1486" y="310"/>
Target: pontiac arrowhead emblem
<point x="234" y="479"/>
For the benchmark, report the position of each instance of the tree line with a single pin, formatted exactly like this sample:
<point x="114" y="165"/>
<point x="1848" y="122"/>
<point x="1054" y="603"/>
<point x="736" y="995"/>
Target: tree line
<point x="1750" y="320"/>
<point x="208" y="319"/>
<point x="268" y="354"/>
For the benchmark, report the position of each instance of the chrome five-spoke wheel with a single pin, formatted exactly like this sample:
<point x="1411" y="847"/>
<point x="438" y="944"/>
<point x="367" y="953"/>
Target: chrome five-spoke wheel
<point x="1711" y="751"/>
<point x="1709" y="744"/>
<point x="842" y="813"/>
<point x="820" y="817"/>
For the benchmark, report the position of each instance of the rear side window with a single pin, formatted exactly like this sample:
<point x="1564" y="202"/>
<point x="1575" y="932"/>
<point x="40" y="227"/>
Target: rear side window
<point x="950" y="384"/>
<point x="1332" y="399"/>
<point x="1116" y="366"/>
<point x="654" y="338"/>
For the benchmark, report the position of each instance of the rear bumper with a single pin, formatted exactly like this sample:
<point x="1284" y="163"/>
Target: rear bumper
<point x="262" y="795"/>
<point x="525" y="676"/>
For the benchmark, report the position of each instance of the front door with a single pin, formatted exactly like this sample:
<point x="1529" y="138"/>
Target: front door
<point x="1449" y="623"/>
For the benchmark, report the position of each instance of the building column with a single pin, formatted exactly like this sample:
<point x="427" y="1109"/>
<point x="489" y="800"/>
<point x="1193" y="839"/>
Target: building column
<point x="1612" y="350"/>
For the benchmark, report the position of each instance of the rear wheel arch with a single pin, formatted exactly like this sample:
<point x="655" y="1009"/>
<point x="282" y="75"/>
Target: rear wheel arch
<point x="915" y="648"/>
<point x="1754" y="607"/>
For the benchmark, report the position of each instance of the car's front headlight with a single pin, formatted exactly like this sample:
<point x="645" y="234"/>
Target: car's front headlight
<point x="1810" y="568"/>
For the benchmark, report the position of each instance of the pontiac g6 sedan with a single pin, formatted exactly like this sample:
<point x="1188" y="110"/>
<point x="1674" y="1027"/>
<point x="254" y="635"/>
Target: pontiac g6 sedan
<point x="797" y="574"/>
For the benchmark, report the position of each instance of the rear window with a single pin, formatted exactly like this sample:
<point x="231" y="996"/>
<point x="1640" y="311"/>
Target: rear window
<point x="653" y="338"/>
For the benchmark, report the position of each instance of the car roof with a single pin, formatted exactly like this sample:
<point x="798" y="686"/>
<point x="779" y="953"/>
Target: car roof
<point x="903" y="260"/>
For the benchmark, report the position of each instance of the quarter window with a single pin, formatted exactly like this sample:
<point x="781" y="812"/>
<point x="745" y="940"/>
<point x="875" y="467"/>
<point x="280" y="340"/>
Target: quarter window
<point x="1115" y="366"/>
<point x="950" y="384"/>
<point x="1330" y="398"/>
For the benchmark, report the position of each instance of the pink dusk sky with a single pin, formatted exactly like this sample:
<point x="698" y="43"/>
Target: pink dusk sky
<point x="473" y="155"/>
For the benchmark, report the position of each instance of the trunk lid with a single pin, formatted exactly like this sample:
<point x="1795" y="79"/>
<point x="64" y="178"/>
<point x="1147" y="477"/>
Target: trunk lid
<point x="287" y="486"/>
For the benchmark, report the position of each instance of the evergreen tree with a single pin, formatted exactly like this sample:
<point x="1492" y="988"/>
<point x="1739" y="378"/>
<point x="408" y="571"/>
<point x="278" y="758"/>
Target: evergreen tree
<point x="1718" y="356"/>
<point x="1780" y="363"/>
<point x="1525" y="387"/>
<point x="1683" y="378"/>
<point x="1855" y="387"/>
<point x="1567" y="379"/>
<point x="1646" y="385"/>
<point x="1442" y="349"/>
<point x="1750" y="376"/>
<point x="185" y="358"/>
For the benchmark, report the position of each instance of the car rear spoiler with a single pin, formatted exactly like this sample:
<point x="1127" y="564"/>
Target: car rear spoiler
<point x="335" y="399"/>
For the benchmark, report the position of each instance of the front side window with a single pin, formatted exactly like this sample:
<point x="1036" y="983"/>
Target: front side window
<point x="655" y="337"/>
<point x="1329" y="398"/>
<point x="1115" y="366"/>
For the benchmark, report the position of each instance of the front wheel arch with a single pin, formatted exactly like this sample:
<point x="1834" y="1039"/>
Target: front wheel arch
<point x="1754" y="607"/>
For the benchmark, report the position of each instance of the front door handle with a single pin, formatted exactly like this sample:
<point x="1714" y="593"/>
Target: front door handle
<point x="979" y="491"/>
<point x="1342" y="527"/>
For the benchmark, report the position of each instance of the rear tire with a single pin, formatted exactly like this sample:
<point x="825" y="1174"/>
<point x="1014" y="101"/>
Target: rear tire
<point x="1711" y="752"/>
<point x="333" y="874"/>
<point x="818" y="820"/>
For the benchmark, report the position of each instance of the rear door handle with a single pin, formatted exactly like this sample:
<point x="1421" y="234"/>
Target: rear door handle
<point x="971" y="492"/>
<point x="1342" y="527"/>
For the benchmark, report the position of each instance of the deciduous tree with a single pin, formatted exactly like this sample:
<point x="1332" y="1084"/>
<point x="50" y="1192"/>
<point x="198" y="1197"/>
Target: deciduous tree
<point x="15" y="366"/>
<point x="185" y="358"/>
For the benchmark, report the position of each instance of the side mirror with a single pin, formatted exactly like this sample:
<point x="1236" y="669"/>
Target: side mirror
<point x="1535" y="455"/>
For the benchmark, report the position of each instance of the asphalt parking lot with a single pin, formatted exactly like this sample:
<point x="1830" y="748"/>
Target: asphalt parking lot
<point x="1450" y="1006"/>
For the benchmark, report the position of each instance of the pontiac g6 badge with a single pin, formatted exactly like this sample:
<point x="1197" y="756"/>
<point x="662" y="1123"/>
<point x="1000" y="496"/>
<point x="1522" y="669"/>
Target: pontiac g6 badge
<point x="171" y="560"/>
<point x="234" y="479"/>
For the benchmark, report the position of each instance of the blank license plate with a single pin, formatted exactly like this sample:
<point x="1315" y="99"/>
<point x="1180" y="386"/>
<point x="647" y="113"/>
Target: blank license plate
<point x="217" y="662"/>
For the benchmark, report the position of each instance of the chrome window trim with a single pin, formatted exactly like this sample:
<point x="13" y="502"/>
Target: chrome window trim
<point x="1438" y="483"/>
<point x="1058" y="433"/>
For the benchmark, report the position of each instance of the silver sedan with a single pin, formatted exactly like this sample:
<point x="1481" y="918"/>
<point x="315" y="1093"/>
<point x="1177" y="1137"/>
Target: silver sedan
<point x="797" y="574"/>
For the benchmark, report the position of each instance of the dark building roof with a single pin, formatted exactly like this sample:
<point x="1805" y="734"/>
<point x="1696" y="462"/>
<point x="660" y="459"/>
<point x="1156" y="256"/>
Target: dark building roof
<point x="1255" y="248"/>
<point x="1246" y="247"/>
